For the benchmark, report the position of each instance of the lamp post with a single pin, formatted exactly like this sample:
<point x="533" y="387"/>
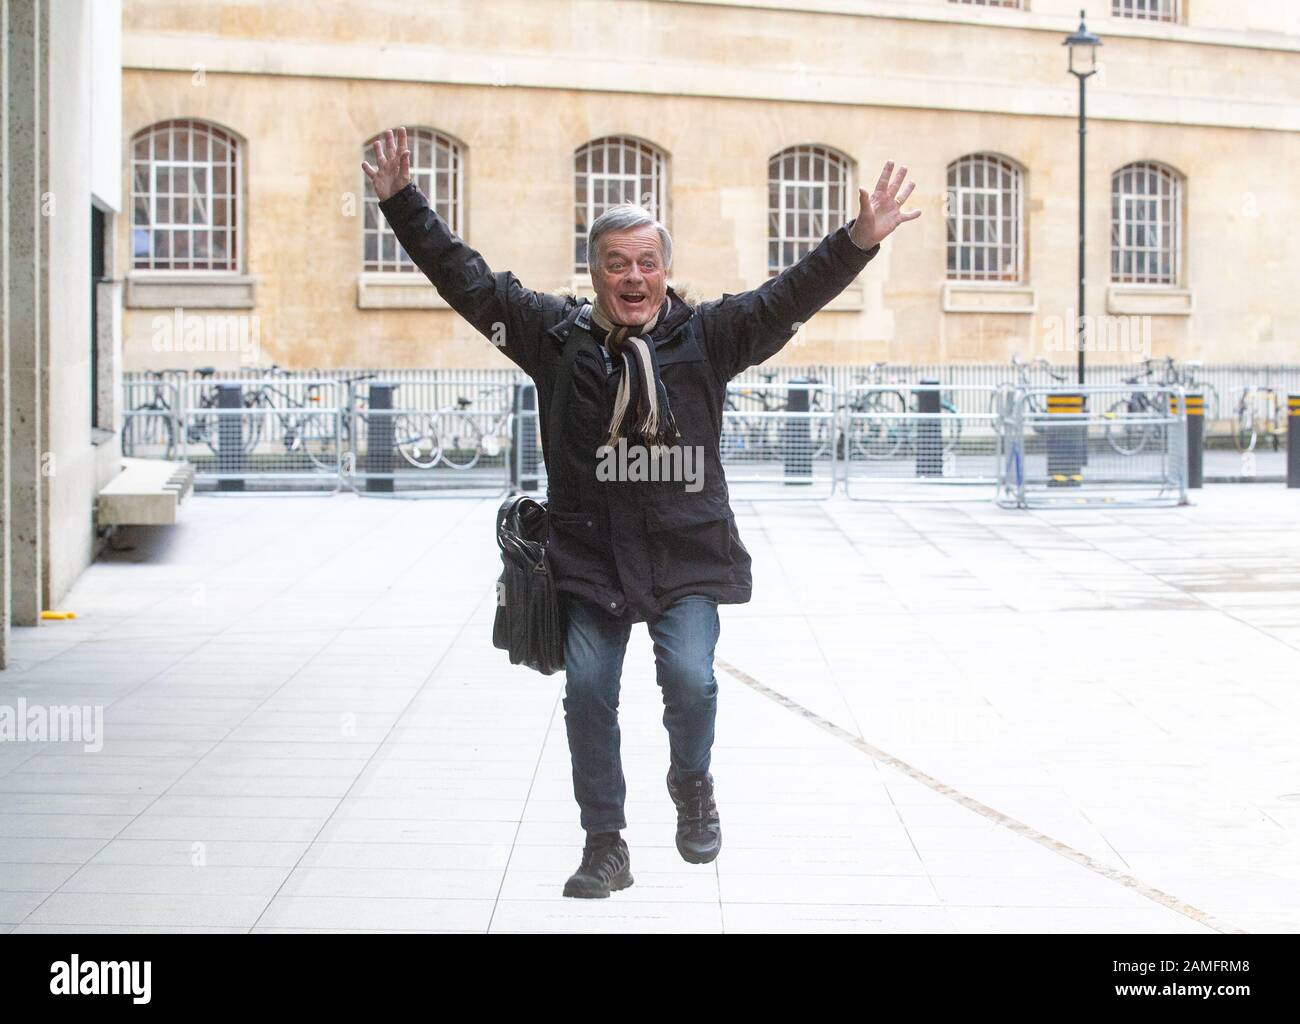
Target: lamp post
<point x="1083" y="65"/>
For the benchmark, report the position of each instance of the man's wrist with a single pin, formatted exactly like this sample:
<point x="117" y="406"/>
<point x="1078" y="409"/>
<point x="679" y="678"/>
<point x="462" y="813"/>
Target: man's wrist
<point x="867" y="251"/>
<point x="852" y="225"/>
<point x="404" y="188"/>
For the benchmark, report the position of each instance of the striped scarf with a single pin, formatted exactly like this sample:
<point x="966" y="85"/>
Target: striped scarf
<point x="641" y="402"/>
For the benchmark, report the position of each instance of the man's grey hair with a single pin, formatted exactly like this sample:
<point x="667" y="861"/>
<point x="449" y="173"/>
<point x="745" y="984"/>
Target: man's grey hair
<point x="623" y="218"/>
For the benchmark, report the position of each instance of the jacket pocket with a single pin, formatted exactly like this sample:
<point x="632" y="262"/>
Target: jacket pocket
<point x="577" y="547"/>
<point x="690" y="546"/>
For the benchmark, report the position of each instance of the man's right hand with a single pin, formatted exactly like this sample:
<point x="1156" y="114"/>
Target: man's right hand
<point x="394" y="171"/>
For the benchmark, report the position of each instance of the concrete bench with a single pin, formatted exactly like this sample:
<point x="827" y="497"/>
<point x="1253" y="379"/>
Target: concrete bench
<point x="145" y="493"/>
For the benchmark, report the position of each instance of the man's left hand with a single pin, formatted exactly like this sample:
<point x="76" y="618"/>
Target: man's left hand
<point x="882" y="210"/>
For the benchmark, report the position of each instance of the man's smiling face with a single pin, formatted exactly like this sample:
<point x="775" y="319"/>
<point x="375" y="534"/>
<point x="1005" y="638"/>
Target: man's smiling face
<point x="632" y="281"/>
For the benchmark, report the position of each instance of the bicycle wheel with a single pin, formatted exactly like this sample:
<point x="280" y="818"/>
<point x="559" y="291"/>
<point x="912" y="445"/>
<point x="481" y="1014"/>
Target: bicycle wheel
<point x="415" y="436"/>
<point x="206" y="429"/>
<point x="1273" y="418"/>
<point x="874" y="432"/>
<point x="770" y="439"/>
<point x="1123" y="434"/>
<point x="1245" y="428"/>
<point x="1210" y="413"/>
<point x="146" y="429"/>
<point x="254" y="426"/>
<point x="950" y="425"/>
<point x="999" y="409"/>
<point x="312" y="436"/>
<point x="821" y="434"/>
<point x="459" y="438"/>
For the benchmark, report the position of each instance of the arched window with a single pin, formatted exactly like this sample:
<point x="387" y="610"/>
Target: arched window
<point x="611" y="171"/>
<point x="1145" y="209"/>
<point x="985" y="219"/>
<point x="1145" y="10"/>
<point x="185" y="183"/>
<point x="807" y="199"/>
<point x="437" y="168"/>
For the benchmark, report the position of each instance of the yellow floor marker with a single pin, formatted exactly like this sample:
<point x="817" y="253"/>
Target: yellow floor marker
<point x="47" y="614"/>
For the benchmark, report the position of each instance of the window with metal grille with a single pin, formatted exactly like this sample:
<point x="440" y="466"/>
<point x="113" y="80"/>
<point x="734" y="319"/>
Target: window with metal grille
<point x="985" y="219"/>
<point x="437" y="165"/>
<point x="1145" y="10"/>
<point x="807" y="199"/>
<point x="185" y="182"/>
<point x="1145" y="225"/>
<point x="610" y="172"/>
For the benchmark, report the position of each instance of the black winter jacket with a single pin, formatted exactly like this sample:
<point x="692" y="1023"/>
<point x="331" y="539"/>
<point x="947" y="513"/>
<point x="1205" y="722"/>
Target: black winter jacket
<point x="632" y="546"/>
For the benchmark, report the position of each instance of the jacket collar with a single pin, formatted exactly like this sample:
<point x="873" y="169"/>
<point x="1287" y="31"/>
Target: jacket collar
<point x="580" y="316"/>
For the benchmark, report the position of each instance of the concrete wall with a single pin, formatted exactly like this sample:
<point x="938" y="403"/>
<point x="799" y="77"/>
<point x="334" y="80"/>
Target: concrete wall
<point x="55" y="463"/>
<point x="6" y="423"/>
<point x="71" y="477"/>
<point x="26" y="272"/>
<point x="722" y="86"/>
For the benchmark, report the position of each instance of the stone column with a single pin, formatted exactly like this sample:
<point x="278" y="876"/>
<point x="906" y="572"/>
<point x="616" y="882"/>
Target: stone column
<point x="27" y="232"/>
<point x="6" y="607"/>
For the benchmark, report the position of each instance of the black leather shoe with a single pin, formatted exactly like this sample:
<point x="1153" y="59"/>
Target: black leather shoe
<point x="606" y="867"/>
<point x="699" y="832"/>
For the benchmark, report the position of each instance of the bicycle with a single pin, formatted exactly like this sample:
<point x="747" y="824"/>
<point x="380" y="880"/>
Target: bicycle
<point x="1134" y="422"/>
<point x="753" y="431"/>
<point x="1247" y="419"/>
<point x="451" y="435"/>
<point x="880" y="426"/>
<point x="1024" y="382"/>
<point x="1191" y="385"/>
<point x="153" y="423"/>
<point x="301" y="426"/>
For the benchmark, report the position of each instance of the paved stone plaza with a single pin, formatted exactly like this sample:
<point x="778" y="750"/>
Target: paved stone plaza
<point x="932" y="718"/>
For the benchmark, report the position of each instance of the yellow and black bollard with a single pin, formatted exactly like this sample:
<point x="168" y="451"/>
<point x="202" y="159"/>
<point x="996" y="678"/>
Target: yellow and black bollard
<point x="1293" y="440"/>
<point x="1066" y="441"/>
<point x="1195" y="436"/>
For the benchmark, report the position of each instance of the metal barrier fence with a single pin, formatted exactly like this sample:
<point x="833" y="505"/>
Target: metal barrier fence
<point x="412" y="435"/>
<point x="779" y="440"/>
<point x="151" y="418"/>
<point x="1113" y="445"/>
<point x="1223" y="384"/>
<point x="295" y="431"/>
<point x="915" y="441"/>
<point x="787" y="431"/>
<point x="237" y="431"/>
<point x="528" y="468"/>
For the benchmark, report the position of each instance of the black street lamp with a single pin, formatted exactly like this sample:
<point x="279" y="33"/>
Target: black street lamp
<point x="1083" y="65"/>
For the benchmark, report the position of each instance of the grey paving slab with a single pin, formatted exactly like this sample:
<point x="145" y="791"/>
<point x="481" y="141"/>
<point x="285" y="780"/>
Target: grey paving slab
<point x="933" y="718"/>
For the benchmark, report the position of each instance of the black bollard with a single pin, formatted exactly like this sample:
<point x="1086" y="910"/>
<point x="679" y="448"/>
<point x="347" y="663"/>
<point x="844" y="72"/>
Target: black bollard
<point x="1195" y="436"/>
<point x="1065" y="441"/>
<point x="929" y="431"/>
<point x="523" y="439"/>
<point x="231" y="457"/>
<point x="1293" y="441"/>
<point x="796" y="438"/>
<point x="380" y="461"/>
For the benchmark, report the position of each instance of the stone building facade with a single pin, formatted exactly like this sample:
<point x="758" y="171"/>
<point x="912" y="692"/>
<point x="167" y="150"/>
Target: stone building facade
<point x="748" y="125"/>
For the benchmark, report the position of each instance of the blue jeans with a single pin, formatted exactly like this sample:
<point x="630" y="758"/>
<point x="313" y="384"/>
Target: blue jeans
<point x="684" y="637"/>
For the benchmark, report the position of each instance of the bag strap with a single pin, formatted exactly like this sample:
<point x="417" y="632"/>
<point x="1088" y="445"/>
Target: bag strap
<point x="560" y="395"/>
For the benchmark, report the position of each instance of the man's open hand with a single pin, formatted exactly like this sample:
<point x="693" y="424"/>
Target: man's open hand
<point x="882" y="210"/>
<point x="394" y="170"/>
